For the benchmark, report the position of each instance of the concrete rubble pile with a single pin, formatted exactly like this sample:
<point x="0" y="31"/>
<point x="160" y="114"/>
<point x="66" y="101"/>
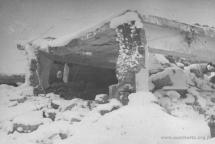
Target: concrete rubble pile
<point x="48" y="117"/>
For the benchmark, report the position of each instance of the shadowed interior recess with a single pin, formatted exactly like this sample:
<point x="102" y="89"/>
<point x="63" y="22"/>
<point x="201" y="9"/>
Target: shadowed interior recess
<point x="83" y="82"/>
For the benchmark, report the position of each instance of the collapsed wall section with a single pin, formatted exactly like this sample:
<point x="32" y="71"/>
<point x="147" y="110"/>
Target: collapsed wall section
<point x="131" y="60"/>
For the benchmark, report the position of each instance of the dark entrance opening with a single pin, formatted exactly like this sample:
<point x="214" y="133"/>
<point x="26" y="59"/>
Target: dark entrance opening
<point x="83" y="81"/>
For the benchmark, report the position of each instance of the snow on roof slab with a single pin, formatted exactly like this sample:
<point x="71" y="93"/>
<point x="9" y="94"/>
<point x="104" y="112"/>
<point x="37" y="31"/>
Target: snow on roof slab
<point x="114" y="21"/>
<point x="97" y="38"/>
<point x="128" y="16"/>
<point x="100" y="39"/>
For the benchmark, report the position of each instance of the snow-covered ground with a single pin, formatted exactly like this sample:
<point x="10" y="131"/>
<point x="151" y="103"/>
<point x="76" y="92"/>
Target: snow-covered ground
<point x="26" y="119"/>
<point x="45" y="118"/>
<point x="169" y="115"/>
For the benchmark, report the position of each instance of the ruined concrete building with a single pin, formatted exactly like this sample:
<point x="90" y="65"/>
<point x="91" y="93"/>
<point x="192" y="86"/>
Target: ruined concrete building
<point x="113" y="53"/>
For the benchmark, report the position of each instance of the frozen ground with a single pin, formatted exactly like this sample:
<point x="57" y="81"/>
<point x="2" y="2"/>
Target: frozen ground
<point x="48" y="119"/>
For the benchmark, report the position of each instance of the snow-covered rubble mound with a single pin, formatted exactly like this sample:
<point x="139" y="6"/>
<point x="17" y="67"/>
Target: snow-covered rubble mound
<point x="165" y="117"/>
<point x="171" y="77"/>
<point x="43" y="119"/>
<point x="181" y="93"/>
<point x="139" y="122"/>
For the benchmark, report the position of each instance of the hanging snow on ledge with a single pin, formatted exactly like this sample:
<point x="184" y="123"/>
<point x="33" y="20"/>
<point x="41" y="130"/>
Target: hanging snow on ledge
<point x="127" y="18"/>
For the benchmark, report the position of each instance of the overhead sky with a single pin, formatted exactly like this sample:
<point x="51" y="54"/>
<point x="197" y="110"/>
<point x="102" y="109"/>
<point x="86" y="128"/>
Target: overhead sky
<point x="31" y="19"/>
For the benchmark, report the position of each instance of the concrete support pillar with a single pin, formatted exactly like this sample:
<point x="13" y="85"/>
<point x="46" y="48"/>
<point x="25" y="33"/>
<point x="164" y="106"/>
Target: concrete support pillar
<point x="141" y="80"/>
<point x="44" y="68"/>
<point x="131" y="66"/>
<point x="66" y="73"/>
<point x="142" y="77"/>
<point x="31" y="77"/>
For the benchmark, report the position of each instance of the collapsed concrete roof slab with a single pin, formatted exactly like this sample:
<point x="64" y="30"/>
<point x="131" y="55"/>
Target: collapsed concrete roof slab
<point x="98" y="42"/>
<point x="94" y="46"/>
<point x="117" y="43"/>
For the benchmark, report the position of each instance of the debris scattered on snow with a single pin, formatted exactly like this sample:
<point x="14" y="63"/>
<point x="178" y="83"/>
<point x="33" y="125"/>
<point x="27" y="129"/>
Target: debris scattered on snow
<point x="108" y="107"/>
<point x="101" y="98"/>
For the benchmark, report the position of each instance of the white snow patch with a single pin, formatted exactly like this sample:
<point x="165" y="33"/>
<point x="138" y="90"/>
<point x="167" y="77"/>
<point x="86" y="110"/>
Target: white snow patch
<point x="185" y="111"/>
<point x="162" y="59"/>
<point x="126" y="18"/>
<point x="10" y="113"/>
<point x="30" y="118"/>
<point x="141" y="98"/>
<point x="174" y="96"/>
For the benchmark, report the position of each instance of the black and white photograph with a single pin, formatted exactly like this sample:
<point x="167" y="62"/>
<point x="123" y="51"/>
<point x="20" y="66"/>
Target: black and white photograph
<point x="107" y="71"/>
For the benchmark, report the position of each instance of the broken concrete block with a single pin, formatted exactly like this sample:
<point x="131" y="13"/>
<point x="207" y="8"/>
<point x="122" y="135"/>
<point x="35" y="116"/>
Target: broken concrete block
<point x="92" y="104"/>
<point x="161" y="82"/>
<point x="101" y="98"/>
<point x="28" y="122"/>
<point x="190" y="99"/>
<point x="19" y="100"/>
<point x="71" y="116"/>
<point x="74" y="104"/>
<point x="181" y="65"/>
<point x="159" y="94"/>
<point x="170" y="78"/>
<point x="212" y="79"/>
<point x="165" y="102"/>
<point x="121" y="91"/>
<point x="173" y="95"/>
<point x="213" y="99"/>
<point x="151" y="86"/>
<point x="108" y="107"/>
<point x="49" y="113"/>
<point x="55" y="104"/>
<point x="21" y="128"/>
<point x="48" y="132"/>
